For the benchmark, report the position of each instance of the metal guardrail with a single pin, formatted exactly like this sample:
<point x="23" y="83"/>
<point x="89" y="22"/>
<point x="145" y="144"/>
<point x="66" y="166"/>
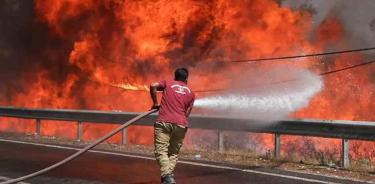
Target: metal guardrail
<point x="344" y="130"/>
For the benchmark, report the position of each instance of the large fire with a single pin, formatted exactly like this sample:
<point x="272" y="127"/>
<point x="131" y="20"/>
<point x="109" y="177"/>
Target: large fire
<point x="82" y="53"/>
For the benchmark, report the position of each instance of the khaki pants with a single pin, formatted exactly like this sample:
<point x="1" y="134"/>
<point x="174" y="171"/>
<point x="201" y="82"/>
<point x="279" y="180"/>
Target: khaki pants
<point x="168" y="138"/>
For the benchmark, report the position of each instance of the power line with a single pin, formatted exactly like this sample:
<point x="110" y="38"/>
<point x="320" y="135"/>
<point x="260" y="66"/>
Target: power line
<point x="290" y="80"/>
<point x="280" y="82"/>
<point x="302" y="56"/>
<point x="346" y="68"/>
<point x="294" y="57"/>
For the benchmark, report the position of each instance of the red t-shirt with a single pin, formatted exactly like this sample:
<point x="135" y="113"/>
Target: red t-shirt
<point x="176" y="100"/>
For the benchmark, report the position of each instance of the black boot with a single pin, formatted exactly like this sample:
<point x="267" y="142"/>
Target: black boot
<point x="168" y="179"/>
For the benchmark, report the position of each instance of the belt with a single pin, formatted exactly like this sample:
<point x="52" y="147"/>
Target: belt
<point x="162" y="122"/>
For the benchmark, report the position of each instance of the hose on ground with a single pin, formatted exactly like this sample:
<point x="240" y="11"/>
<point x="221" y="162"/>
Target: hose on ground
<point x="82" y="151"/>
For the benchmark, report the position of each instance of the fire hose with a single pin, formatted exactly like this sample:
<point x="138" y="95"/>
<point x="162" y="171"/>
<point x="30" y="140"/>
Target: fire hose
<point x="82" y="151"/>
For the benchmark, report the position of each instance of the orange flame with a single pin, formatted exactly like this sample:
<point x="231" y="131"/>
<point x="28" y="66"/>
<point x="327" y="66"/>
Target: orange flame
<point x="89" y="44"/>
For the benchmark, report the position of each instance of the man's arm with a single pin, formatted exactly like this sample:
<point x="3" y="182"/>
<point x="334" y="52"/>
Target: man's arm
<point x="189" y="111"/>
<point x="154" y="87"/>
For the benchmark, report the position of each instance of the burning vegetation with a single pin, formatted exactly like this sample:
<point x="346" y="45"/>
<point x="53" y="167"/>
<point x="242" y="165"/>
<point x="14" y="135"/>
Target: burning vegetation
<point x="81" y="54"/>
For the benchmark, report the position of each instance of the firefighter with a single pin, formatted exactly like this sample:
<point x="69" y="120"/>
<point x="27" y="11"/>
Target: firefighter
<point x="171" y="126"/>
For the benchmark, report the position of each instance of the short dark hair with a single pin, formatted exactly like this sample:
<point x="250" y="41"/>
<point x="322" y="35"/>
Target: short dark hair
<point x="181" y="74"/>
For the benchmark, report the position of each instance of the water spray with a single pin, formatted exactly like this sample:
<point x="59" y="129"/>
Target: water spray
<point x="267" y="102"/>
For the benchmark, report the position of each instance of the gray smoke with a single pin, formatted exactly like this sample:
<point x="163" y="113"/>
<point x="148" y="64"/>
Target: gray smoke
<point x="357" y="17"/>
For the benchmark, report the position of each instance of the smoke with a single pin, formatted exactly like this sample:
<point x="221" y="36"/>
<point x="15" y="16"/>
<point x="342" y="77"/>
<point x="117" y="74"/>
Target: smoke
<point x="28" y="53"/>
<point x="14" y="20"/>
<point x="356" y="17"/>
<point x="281" y="92"/>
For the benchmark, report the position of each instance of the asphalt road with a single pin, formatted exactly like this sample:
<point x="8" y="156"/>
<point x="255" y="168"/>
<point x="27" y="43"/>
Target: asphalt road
<point x="17" y="159"/>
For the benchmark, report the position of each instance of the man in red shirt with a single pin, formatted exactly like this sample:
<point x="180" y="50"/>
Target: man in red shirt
<point x="171" y="126"/>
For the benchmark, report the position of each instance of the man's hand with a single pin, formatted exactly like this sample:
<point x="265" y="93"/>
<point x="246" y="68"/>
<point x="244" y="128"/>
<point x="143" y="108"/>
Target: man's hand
<point x="155" y="106"/>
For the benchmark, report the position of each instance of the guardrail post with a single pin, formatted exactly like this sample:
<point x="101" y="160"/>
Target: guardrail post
<point x="277" y="146"/>
<point x="220" y="140"/>
<point x="37" y="127"/>
<point x="345" y="153"/>
<point x="124" y="136"/>
<point x="79" y="131"/>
